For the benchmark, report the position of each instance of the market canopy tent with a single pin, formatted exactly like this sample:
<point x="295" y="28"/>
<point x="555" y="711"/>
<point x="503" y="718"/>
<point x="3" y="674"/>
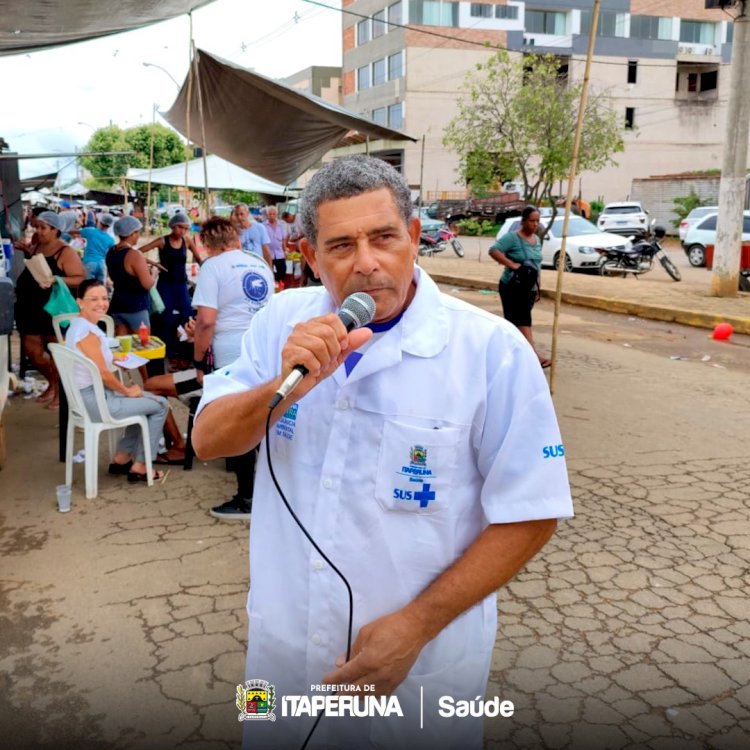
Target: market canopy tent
<point x="221" y="176"/>
<point x="262" y="125"/>
<point x="40" y="24"/>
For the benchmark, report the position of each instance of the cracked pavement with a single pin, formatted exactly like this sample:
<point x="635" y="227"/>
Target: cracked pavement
<point x="122" y="623"/>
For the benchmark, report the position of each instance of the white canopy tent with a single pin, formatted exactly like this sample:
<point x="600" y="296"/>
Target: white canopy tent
<point x="222" y="175"/>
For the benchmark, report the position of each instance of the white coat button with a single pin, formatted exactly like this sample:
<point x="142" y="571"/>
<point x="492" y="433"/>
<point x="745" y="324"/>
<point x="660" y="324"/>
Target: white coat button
<point x="318" y="565"/>
<point x="327" y="483"/>
<point x="343" y="404"/>
<point x="316" y="639"/>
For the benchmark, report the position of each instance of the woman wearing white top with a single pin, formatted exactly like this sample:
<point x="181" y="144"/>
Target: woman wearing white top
<point x="123" y="400"/>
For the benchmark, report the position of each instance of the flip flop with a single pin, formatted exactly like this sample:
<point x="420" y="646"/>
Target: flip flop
<point x="137" y="476"/>
<point x="120" y="469"/>
<point x="545" y="363"/>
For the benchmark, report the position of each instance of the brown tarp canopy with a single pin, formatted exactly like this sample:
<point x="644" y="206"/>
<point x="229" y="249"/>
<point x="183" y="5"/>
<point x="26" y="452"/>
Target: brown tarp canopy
<point x="29" y="25"/>
<point x="264" y="126"/>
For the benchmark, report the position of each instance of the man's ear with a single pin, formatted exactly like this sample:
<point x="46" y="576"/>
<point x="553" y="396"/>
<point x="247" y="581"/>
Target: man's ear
<point x="414" y="228"/>
<point x="309" y="252"/>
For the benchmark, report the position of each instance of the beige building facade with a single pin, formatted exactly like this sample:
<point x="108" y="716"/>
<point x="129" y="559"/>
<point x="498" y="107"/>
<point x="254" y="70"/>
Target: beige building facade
<point x="664" y="65"/>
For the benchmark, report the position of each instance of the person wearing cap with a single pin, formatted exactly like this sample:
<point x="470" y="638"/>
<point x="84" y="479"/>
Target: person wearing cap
<point x="132" y="277"/>
<point x="106" y="222"/>
<point x="172" y="283"/>
<point x="33" y="321"/>
<point x="98" y="244"/>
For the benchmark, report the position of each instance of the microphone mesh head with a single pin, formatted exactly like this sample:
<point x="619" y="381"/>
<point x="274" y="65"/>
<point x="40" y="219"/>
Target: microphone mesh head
<point x="359" y="306"/>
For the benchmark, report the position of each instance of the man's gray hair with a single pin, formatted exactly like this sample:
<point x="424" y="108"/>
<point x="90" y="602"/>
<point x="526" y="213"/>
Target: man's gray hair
<point x="346" y="178"/>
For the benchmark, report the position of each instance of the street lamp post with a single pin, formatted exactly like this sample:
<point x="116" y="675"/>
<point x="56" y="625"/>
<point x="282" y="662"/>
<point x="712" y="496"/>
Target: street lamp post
<point x="163" y="70"/>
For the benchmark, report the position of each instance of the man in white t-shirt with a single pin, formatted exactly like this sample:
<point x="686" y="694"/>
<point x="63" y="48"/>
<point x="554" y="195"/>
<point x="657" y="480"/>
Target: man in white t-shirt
<point x="232" y="286"/>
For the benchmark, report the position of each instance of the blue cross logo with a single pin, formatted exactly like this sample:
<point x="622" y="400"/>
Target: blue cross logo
<point x="424" y="495"/>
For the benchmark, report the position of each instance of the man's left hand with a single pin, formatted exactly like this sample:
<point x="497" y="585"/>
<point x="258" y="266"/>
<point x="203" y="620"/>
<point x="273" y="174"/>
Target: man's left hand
<point x="382" y="655"/>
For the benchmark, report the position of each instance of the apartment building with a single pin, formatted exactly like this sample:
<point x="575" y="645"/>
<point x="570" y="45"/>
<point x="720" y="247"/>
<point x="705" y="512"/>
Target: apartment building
<point x="665" y="66"/>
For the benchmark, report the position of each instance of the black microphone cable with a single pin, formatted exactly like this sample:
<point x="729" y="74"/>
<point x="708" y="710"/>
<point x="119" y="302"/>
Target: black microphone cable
<point x="319" y="550"/>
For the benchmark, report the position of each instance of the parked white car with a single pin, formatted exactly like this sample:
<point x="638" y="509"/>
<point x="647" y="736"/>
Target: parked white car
<point x="693" y="218"/>
<point x="704" y="233"/>
<point x="582" y="247"/>
<point x="626" y="218"/>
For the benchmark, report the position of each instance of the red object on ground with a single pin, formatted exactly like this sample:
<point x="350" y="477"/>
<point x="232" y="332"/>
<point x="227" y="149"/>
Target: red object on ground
<point x="143" y="334"/>
<point x="723" y="331"/>
<point x="744" y="257"/>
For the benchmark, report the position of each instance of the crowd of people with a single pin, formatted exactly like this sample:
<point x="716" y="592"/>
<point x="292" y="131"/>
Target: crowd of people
<point x="101" y="255"/>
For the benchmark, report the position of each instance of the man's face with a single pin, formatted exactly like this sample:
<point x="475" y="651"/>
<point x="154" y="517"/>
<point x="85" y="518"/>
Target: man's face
<point x="272" y="215"/>
<point x="241" y="213"/>
<point x="363" y="245"/>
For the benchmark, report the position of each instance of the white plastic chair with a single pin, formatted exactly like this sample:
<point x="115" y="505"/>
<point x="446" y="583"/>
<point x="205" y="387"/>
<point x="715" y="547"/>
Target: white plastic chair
<point x="78" y="416"/>
<point x="58" y="320"/>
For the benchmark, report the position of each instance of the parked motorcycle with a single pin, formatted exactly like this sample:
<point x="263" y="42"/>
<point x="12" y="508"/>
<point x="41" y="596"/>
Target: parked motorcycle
<point x="639" y="258"/>
<point x="436" y="241"/>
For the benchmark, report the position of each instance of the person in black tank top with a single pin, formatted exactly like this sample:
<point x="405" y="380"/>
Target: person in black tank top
<point x="131" y="276"/>
<point x="33" y="321"/>
<point x="172" y="284"/>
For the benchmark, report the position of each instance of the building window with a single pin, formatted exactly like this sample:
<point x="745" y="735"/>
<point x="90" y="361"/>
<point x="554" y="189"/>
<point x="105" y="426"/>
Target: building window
<point x="363" y="78"/>
<point x="696" y="81"/>
<point x="697" y="32"/>
<point x="378" y="116"/>
<point x="629" y="118"/>
<point x="509" y="12"/>
<point x="395" y="13"/>
<point x="395" y="66"/>
<point x="481" y="10"/>
<point x="363" y="31"/>
<point x="396" y="116"/>
<point x="610" y="24"/>
<point x="378" y="72"/>
<point x="650" y="27"/>
<point x="378" y="24"/>
<point x="545" y="22"/>
<point x="433" y="13"/>
<point x="632" y="71"/>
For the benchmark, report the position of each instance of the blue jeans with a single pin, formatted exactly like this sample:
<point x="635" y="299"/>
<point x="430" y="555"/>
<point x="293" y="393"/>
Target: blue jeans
<point x="96" y="269"/>
<point x="154" y="408"/>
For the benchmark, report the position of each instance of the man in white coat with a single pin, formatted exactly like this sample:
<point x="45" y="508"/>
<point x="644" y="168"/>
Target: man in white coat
<point x="422" y="455"/>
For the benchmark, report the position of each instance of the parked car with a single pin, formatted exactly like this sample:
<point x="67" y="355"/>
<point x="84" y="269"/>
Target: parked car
<point x="704" y="233"/>
<point x="626" y="218"/>
<point x="429" y="225"/>
<point x="693" y="218"/>
<point x="583" y="245"/>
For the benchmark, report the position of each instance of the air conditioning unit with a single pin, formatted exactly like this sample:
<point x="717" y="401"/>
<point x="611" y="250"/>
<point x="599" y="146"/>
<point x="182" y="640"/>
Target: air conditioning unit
<point x="530" y="41"/>
<point x="685" y="49"/>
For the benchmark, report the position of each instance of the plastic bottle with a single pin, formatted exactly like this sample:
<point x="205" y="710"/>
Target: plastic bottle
<point x="143" y="333"/>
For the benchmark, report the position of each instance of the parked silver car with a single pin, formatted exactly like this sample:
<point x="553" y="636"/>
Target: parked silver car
<point x="626" y="218"/>
<point x="693" y="218"/>
<point x="703" y="233"/>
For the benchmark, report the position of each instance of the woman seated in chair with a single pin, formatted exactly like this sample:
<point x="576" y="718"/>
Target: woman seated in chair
<point x="86" y="337"/>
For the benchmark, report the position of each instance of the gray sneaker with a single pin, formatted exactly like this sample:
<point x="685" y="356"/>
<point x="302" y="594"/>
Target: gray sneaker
<point x="236" y="509"/>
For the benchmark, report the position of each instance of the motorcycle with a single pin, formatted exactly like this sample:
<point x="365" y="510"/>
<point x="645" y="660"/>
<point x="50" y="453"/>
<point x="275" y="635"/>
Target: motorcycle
<point x="639" y="258"/>
<point x="436" y="241"/>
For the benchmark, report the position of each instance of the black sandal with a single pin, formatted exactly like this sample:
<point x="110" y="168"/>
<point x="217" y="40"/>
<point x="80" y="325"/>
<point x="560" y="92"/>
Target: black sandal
<point x="120" y="469"/>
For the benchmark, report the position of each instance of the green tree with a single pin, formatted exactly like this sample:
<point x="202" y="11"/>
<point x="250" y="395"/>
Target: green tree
<point x="684" y="204"/>
<point x="524" y="109"/>
<point x="106" y="170"/>
<point x="230" y="197"/>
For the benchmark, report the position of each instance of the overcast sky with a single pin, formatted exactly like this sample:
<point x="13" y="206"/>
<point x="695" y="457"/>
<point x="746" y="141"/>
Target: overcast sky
<point x="47" y="95"/>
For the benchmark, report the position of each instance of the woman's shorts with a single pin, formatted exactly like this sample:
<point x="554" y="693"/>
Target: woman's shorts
<point x="517" y="304"/>
<point x="132" y="321"/>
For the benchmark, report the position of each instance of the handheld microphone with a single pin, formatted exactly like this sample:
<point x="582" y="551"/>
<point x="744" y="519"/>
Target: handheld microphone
<point x="357" y="310"/>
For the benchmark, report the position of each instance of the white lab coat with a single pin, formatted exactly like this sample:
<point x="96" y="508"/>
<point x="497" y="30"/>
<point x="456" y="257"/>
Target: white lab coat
<point x="439" y="430"/>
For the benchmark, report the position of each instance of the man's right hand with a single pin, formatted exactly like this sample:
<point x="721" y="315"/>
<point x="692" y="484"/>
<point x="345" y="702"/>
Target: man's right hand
<point x="320" y="345"/>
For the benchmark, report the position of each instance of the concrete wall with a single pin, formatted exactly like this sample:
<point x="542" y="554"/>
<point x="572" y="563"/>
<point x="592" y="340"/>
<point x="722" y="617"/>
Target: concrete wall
<point x="657" y="196"/>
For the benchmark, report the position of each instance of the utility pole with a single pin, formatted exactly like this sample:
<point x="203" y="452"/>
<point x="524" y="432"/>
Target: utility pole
<point x="726" y="265"/>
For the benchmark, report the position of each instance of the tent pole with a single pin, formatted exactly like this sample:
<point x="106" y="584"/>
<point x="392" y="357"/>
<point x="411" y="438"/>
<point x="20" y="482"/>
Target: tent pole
<point x="150" y="168"/>
<point x="203" y="130"/>
<point x="569" y="196"/>
<point x="189" y="100"/>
